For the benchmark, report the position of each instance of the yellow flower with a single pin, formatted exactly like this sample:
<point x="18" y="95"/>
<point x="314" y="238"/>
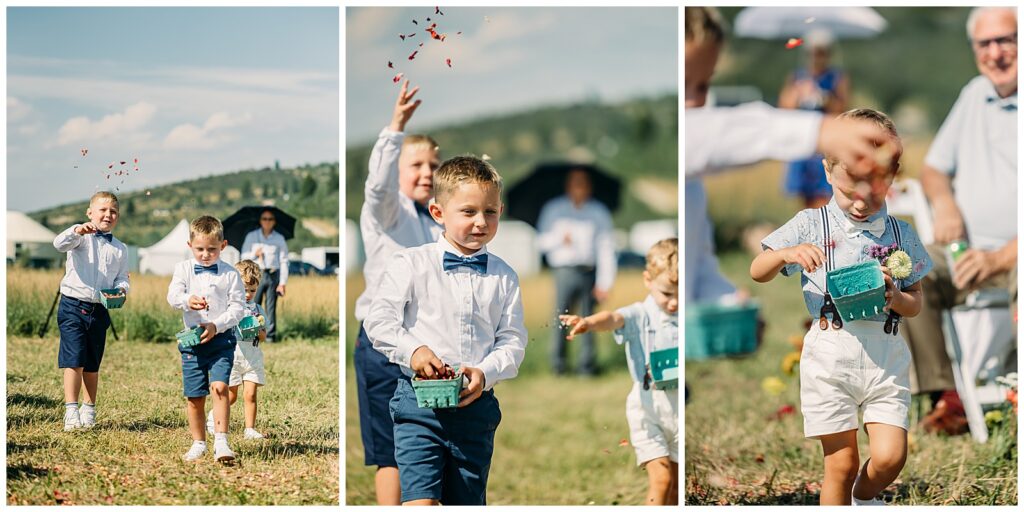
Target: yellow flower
<point x="260" y="319"/>
<point x="993" y="418"/>
<point x="792" y="359"/>
<point x="773" y="386"/>
<point x="899" y="264"/>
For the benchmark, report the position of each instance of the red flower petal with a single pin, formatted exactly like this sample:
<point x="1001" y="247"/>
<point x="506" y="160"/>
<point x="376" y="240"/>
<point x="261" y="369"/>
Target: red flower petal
<point x="449" y="62"/>
<point x="413" y="55"/>
<point x="390" y="65"/>
<point x="397" y="78"/>
<point x="793" y="43"/>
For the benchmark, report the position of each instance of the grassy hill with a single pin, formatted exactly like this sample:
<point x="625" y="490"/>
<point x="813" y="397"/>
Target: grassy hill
<point x="308" y="192"/>
<point x="636" y="140"/>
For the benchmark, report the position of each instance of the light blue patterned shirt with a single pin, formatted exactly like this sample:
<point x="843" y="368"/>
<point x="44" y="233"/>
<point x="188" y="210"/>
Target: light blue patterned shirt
<point x="645" y="323"/>
<point x="806" y="227"/>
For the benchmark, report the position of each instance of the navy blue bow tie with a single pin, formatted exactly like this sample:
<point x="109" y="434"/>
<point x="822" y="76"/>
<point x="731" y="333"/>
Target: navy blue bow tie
<point x="478" y="262"/>
<point x="199" y="269"/>
<point x="106" y="236"/>
<point x="422" y="210"/>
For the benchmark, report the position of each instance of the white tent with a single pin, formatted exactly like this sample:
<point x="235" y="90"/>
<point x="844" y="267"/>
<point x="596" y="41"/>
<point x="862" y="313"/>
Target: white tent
<point x="516" y="243"/>
<point x="26" y="236"/>
<point x="161" y="257"/>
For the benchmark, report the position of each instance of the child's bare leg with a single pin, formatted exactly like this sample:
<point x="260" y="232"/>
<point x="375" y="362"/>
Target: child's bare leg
<point x="195" y="409"/>
<point x="659" y="481"/>
<point x="424" y="502"/>
<point x="232" y="394"/>
<point x="888" y="447"/>
<point x="249" y="388"/>
<point x="389" y="491"/>
<point x="221" y="407"/>
<point x="72" y="384"/>
<point x="841" y="464"/>
<point x="91" y="380"/>
<point x="673" y="492"/>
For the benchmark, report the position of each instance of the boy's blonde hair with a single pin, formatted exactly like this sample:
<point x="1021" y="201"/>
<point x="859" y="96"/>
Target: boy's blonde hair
<point x="250" y="273"/>
<point x="704" y="24"/>
<point x="420" y="140"/>
<point x="664" y="256"/>
<point x="463" y="169"/>
<point x="103" y="194"/>
<point x="867" y="114"/>
<point x="206" y="226"/>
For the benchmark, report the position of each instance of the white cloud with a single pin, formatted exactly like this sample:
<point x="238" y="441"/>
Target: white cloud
<point x="208" y="136"/>
<point x="363" y="24"/>
<point x="17" y="109"/>
<point x="78" y="129"/>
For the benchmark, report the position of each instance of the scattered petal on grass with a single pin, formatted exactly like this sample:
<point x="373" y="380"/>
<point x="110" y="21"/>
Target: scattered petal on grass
<point x="773" y="386"/>
<point x="623" y="443"/>
<point x="792" y="359"/>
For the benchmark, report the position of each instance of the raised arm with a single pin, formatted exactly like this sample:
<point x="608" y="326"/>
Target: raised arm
<point x="600" y="322"/>
<point x="382" y="189"/>
<point x="68" y="239"/>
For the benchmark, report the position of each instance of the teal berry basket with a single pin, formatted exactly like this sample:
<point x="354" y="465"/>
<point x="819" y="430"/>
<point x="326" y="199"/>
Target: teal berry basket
<point x="113" y="302"/>
<point x="438" y="393"/>
<point x="247" y="329"/>
<point x="665" y="368"/>
<point x="858" y="291"/>
<point x="714" y="330"/>
<point x="190" y="337"/>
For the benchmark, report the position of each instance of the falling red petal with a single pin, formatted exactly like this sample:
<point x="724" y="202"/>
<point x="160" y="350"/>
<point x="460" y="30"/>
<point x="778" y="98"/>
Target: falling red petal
<point x="413" y="55"/>
<point x="390" y="65"/>
<point x="111" y="166"/>
<point x="443" y="36"/>
<point x="402" y="36"/>
<point x="122" y="163"/>
<point x="458" y="33"/>
<point x="411" y="35"/>
<point x="428" y="19"/>
<point x="136" y="160"/>
<point x="449" y="62"/>
<point x="397" y="78"/>
<point x="421" y="45"/>
<point x="793" y="43"/>
<point x="437" y="10"/>
<point x="414" y="22"/>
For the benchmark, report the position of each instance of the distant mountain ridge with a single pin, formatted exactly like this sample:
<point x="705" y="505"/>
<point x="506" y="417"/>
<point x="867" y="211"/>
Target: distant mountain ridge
<point x="309" y="192"/>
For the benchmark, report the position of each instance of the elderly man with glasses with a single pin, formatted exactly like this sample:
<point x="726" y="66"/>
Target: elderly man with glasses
<point x="270" y="251"/>
<point x="970" y="178"/>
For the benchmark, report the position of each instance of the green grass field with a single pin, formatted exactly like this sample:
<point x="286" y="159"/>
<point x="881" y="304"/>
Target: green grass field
<point x="559" y="440"/>
<point x="738" y="453"/>
<point x="132" y="456"/>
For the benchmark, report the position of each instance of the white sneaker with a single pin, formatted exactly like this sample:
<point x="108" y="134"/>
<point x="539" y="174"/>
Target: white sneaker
<point x="195" y="453"/>
<point x="209" y="422"/>
<point x="251" y="433"/>
<point x="71" y="420"/>
<point x="876" y="502"/>
<point x="222" y="452"/>
<point x="87" y="416"/>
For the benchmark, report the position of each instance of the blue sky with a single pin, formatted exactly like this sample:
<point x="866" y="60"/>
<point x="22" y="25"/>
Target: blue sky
<point x="505" y="60"/>
<point x="189" y="91"/>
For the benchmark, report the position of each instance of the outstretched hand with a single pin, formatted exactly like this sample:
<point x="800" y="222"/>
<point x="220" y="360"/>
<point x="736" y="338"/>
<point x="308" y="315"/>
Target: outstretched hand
<point x="404" y="107"/>
<point x="576" y="323"/>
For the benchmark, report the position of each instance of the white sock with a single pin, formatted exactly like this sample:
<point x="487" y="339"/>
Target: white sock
<point x="201" y="444"/>
<point x="220" y="437"/>
<point x="71" y="406"/>
<point x="88" y="406"/>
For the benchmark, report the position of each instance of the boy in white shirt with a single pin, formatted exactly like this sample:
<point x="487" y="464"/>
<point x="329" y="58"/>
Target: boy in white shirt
<point x="645" y="327"/>
<point x="450" y="303"/>
<point x="96" y="261"/>
<point x="247" y="370"/>
<point x="211" y="294"/>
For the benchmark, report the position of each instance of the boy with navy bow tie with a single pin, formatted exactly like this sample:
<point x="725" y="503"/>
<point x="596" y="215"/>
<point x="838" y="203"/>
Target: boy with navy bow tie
<point x="450" y="303"/>
<point x="850" y="366"/>
<point x="96" y="261"/>
<point x="211" y="294"/>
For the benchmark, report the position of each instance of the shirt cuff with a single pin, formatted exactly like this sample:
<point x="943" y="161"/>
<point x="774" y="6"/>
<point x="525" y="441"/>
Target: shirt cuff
<point x="393" y="136"/>
<point x="491" y="373"/>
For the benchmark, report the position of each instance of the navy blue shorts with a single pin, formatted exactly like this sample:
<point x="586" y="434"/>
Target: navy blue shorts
<point x="376" y="379"/>
<point x="83" y="334"/>
<point x="444" y="454"/>
<point x="206" y="363"/>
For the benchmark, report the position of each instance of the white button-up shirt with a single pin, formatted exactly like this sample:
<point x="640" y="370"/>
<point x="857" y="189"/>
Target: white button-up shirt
<point x="977" y="146"/>
<point x="93" y="264"/>
<point x="223" y="291"/>
<point x="464" y="317"/>
<point x="718" y="138"/>
<point x="275" y="252"/>
<point x="388" y="221"/>
<point x="589" y="228"/>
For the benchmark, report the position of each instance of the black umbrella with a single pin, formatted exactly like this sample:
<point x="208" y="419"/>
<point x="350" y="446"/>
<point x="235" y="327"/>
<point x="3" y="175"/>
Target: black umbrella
<point x="547" y="182"/>
<point x="247" y="219"/>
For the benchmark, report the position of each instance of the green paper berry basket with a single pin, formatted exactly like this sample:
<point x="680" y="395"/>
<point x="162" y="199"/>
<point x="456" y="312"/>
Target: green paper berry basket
<point x="438" y="393"/>
<point x="247" y="329"/>
<point x="665" y="368"/>
<point x="715" y="330"/>
<point x="189" y="337"/>
<point x="112" y="302"/>
<point x="858" y="291"/>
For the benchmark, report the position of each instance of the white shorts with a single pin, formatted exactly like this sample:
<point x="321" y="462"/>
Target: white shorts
<point x="248" y="365"/>
<point x="653" y="418"/>
<point x="857" y="367"/>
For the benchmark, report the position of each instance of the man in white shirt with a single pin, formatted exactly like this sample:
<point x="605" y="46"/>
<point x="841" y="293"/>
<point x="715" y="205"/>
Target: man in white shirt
<point x="970" y="178"/>
<point x="269" y="250"/>
<point x="575" y="233"/>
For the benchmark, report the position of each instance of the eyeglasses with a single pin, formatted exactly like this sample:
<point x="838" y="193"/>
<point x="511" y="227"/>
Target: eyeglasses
<point x="1007" y="43"/>
<point x="267" y="218"/>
